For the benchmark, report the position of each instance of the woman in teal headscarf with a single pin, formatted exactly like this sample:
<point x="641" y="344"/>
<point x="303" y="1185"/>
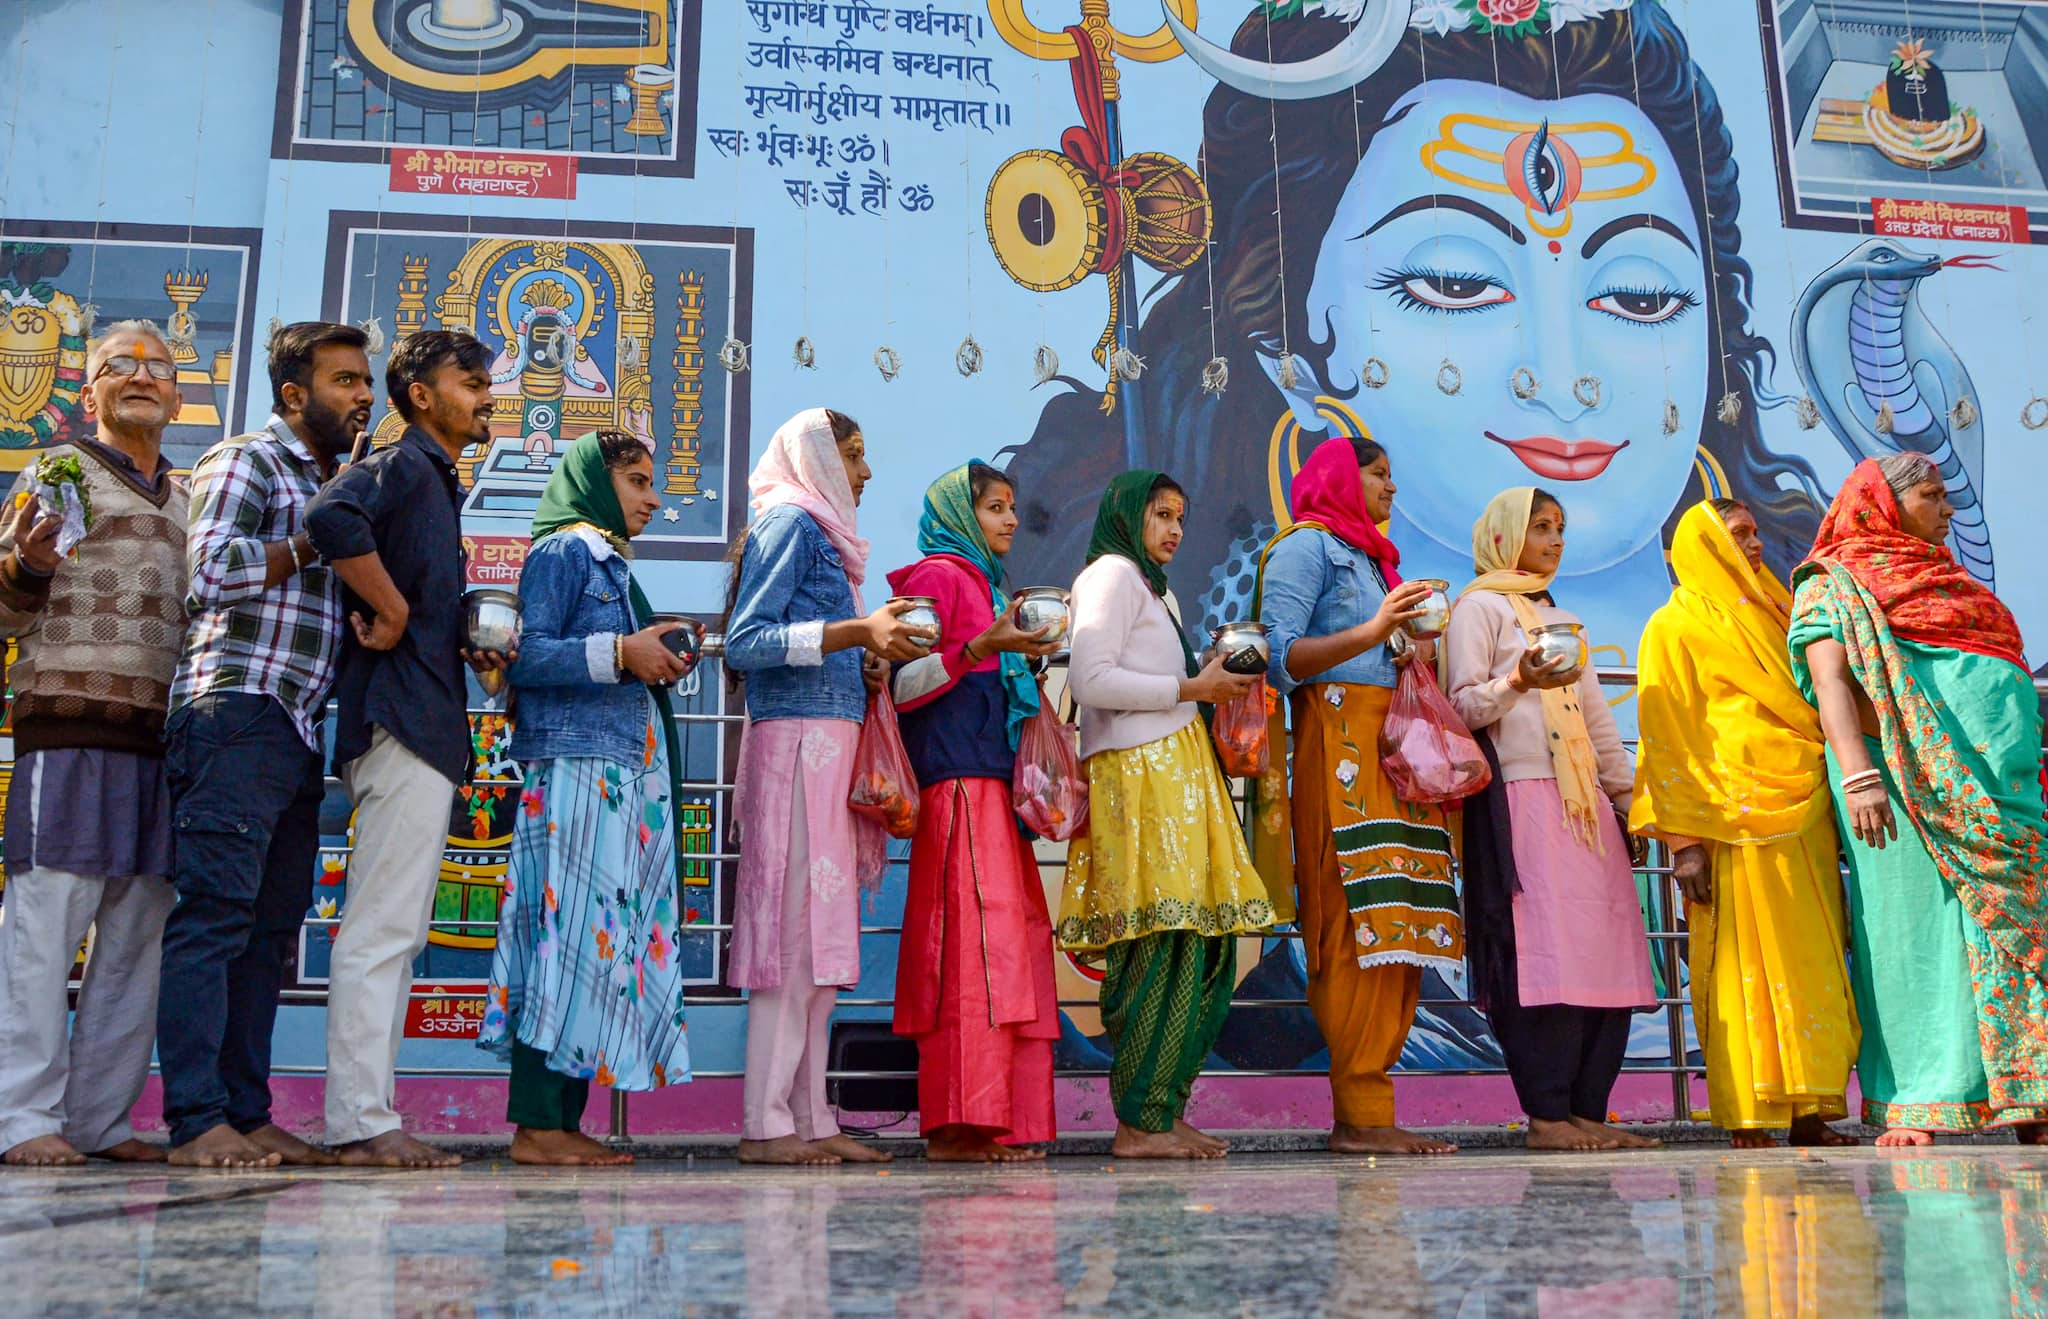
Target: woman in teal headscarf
<point x="1161" y="883"/>
<point x="974" y="982"/>
<point x="586" y="984"/>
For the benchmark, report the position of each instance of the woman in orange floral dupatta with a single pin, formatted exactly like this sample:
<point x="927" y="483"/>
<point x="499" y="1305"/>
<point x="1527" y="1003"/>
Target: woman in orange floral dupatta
<point x="1934" y="747"/>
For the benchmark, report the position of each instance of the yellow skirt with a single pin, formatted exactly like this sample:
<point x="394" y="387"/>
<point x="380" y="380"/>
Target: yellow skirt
<point x="1164" y="850"/>
<point x="1770" y="991"/>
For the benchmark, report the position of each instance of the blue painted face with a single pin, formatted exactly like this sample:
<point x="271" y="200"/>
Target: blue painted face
<point x="1503" y="233"/>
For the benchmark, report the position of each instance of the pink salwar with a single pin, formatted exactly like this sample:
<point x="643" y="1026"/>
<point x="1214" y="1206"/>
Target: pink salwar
<point x="796" y="923"/>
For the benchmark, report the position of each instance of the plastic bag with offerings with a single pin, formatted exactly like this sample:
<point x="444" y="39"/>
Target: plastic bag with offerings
<point x="884" y="788"/>
<point x="1425" y="747"/>
<point x="1048" y="789"/>
<point x="1240" y="732"/>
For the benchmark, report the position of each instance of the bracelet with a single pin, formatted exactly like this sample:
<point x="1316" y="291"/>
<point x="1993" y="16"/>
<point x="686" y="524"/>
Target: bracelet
<point x="299" y="564"/>
<point x="1869" y="778"/>
<point x="968" y="651"/>
<point x="619" y="652"/>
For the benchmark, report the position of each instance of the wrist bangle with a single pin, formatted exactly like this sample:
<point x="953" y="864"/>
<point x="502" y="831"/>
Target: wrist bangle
<point x="619" y="652"/>
<point x="299" y="561"/>
<point x="1869" y="778"/>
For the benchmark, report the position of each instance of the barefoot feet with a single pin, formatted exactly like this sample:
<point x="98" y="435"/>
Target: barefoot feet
<point x="787" y="1151"/>
<point x="393" y="1149"/>
<point x="1346" y="1139"/>
<point x="221" y="1146"/>
<point x="52" y="1151"/>
<point x="961" y="1144"/>
<point x="1623" y="1139"/>
<point x="1547" y="1135"/>
<point x="294" y="1152"/>
<point x="1753" y="1139"/>
<point x="564" y="1149"/>
<point x="1200" y="1139"/>
<point x="1814" y="1130"/>
<point x="851" y="1150"/>
<point x="130" y="1151"/>
<point x="1132" y="1143"/>
<point x="1904" y="1137"/>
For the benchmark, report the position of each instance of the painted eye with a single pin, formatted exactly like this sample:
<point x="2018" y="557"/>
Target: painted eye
<point x="1542" y="171"/>
<point x="1644" y="306"/>
<point x="1445" y="291"/>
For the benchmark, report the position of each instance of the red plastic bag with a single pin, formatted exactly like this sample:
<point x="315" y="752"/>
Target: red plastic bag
<point x="1425" y="747"/>
<point x="1240" y="732"/>
<point x="1048" y="789"/>
<point x="884" y="788"/>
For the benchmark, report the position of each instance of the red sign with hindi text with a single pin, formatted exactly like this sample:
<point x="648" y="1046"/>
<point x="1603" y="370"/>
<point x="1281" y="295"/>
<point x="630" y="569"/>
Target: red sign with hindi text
<point x="1901" y="217"/>
<point x="444" y="1014"/>
<point x="495" y="560"/>
<point x="482" y="173"/>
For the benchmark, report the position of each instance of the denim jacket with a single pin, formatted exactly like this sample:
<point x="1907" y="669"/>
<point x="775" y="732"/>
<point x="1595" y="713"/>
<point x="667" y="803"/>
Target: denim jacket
<point x="792" y="582"/>
<point x="1317" y="585"/>
<point x="568" y="698"/>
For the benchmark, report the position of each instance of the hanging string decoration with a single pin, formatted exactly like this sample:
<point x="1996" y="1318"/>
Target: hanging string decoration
<point x="1963" y="414"/>
<point x="1524" y="382"/>
<point x="734" y="356"/>
<point x="805" y="354"/>
<point x="1729" y="411"/>
<point x="1887" y="420"/>
<point x="1807" y="412"/>
<point x="1673" y="423"/>
<point x="1374" y="373"/>
<point x="1045" y="363"/>
<point x="889" y="362"/>
<point x="1586" y="389"/>
<point x="1125" y="365"/>
<point x="1216" y="376"/>
<point x="967" y="357"/>
<point x="632" y="352"/>
<point x="1288" y="375"/>
<point x="1449" y="379"/>
<point x="373" y="335"/>
<point x="2035" y="414"/>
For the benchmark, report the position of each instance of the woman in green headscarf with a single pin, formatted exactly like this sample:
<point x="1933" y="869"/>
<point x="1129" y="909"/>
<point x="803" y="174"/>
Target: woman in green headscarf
<point x="974" y="983"/>
<point x="1162" y="883"/>
<point x="585" y="983"/>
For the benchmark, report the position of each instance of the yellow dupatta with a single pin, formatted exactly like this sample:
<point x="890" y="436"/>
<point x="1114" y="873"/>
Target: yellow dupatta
<point x="1730" y="750"/>
<point x="1496" y="548"/>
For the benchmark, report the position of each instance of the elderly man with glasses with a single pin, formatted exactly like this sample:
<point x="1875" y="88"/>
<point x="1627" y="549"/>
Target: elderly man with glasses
<point x="88" y="827"/>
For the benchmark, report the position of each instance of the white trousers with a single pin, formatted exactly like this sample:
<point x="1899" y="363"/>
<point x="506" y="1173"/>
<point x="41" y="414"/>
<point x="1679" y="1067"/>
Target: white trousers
<point x="83" y="1087"/>
<point x="401" y="830"/>
<point x="789" y="1027"/>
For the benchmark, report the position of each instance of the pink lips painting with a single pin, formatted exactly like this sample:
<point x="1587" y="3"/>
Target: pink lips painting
<point x="1560" y="459"/>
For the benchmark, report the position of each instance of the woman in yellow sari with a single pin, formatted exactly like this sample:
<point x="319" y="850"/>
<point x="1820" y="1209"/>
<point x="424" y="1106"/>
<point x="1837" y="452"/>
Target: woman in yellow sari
<point x="1731" y="775"/>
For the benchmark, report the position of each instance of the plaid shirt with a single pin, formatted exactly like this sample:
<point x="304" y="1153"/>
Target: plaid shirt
<point x="250" y="492"/>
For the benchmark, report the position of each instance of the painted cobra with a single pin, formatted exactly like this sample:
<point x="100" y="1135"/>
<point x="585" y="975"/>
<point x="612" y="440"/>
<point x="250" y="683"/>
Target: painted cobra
<point x="1861" y="343"/>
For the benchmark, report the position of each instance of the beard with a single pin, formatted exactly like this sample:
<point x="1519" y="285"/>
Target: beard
<point x="331" y="431"/>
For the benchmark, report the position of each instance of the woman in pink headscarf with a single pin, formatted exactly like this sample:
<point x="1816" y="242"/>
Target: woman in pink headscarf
<point x="794" y="626"/>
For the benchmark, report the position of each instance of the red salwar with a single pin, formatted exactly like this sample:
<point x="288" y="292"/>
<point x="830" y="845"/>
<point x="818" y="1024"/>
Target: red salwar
<point x="974" y="971"/>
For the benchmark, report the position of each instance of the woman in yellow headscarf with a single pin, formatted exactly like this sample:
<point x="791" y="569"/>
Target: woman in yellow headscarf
<point x="1731" y="775"/>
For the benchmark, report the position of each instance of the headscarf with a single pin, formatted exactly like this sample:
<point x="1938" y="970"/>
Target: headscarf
<point x="1925" y="594"/>
<point x="1120" y="530"/>
<point x="1730" y="749"/>
<point x="948" y="526"/>
<point x="580" y="495"/>
<point x="1496" y="548"/>
<point x="802" y="467"/>
<point x="1326" y="492"/>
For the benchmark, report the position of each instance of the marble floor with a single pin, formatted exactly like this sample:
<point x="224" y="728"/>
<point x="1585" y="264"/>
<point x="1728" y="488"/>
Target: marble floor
<point x="1692" y="1231"/>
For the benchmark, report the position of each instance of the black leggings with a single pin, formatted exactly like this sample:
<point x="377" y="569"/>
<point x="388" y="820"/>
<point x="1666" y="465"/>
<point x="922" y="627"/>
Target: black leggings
<point x="1563" y="1059"/>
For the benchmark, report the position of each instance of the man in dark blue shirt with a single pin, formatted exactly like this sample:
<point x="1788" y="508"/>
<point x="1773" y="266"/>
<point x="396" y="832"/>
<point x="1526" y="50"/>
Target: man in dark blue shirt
<point x="390" y="526"/>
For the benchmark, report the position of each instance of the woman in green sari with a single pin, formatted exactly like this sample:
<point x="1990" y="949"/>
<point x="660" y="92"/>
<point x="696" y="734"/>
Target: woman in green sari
<point x="1934" y="752"/>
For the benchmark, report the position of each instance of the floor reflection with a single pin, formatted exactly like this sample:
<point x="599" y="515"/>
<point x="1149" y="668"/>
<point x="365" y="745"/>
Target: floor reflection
<point x="1700" y="1232"/>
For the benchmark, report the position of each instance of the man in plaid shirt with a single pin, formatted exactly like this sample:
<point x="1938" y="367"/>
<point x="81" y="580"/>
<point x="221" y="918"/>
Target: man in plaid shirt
<point x="244" y="749"/>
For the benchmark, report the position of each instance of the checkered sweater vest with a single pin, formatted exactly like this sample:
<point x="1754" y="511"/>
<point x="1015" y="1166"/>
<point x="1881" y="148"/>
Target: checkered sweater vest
<point x="98" y="641"/>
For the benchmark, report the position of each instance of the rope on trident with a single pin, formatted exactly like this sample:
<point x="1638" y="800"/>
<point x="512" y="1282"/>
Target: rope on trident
<point x="1087" y="144"/>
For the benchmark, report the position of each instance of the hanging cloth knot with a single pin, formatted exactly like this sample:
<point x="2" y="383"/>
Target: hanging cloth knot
<point x="1087" y="145"/>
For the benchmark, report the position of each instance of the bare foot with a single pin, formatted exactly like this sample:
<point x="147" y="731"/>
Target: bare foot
<point x="1346" y="1139"/>
<point x="2031" y="1133"/>
<point x="786" y="1150"/>
<point x="1901" y="1137"/>
<point x="1547" y="1135"/>
<point x="564" y="1149"/>
<point x="1813" y="1130"/>
<point x="962" y="1144"/>
<point x="1753" y="1140"/>
<point x="393" y="1149"/>
<point x="296" y="1153"/>
<point x="1623" y="1138"/>
<point x="52" y="1151"/>
<point x="1131" y="1143"/>
<point x="130" y="1151"/>
<point x="851" y="1150"/>
<point x="1194" y="1135"/>
<point x="221" y="1146"/>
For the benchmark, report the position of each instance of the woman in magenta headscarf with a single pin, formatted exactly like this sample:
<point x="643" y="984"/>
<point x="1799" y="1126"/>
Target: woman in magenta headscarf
<point x="1372" y="873"/>
<point x="794" y="627"/>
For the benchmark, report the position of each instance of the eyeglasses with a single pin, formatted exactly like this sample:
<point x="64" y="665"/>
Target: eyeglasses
<point x="124" y="365"/>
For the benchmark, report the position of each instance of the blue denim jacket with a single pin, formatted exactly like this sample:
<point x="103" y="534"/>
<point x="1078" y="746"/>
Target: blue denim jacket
<point x="792" y="581"/>
<point x="567" y="700"/>
<point x="1317" y="585"/>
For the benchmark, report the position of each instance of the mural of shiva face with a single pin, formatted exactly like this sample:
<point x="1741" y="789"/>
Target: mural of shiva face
<point x="1544" y="242"/>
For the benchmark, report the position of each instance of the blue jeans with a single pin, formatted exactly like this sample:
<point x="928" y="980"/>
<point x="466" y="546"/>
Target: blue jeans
<point x="245" y="815"/>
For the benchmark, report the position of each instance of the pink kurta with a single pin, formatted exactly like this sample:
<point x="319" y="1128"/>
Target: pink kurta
<point x="779" y="758"/>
